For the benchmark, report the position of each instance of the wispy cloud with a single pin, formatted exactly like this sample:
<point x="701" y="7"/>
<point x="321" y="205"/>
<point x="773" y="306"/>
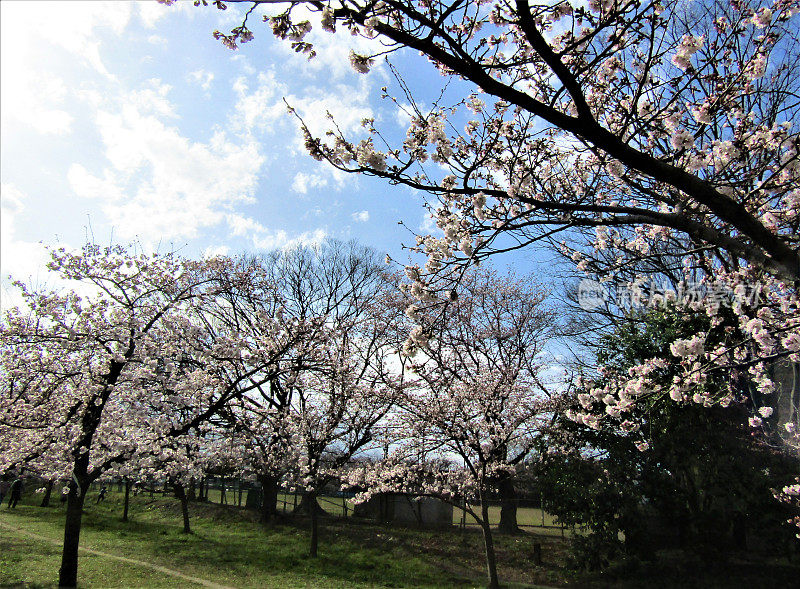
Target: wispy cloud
<point x="202" y="78"/>
<point x="360" y="216"/>
<point x="302" y="182"/>
<point x="21" y="259"/>
<point x="159" y="183"/>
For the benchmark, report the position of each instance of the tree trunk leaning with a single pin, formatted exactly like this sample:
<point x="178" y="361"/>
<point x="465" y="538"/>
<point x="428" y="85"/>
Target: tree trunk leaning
<point x="180" y="493"/>
<point x="68" y="573"/>
<point x="47" y="492"/>
<point x="491" y="558"/>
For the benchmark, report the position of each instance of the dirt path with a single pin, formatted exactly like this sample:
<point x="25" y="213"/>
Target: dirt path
<point x="155" y="567"/>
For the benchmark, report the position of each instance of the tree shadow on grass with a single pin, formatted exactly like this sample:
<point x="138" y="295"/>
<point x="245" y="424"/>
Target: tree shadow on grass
<point x="226" y="545"/>
<point x="229" y="546"/>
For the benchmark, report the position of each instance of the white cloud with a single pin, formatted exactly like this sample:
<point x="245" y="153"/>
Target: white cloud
<point x="243" y="226"/>
<point x="153" y="99"/>
<point x="72" y="25"/>
<point x="260" y="111"/>
<point x="89" y="186"/>
<point x="146" y="164"/>
<point x="21" y="259"/>
<point x="280" y="239"/>
<point x="56" y="122"/>
<point x="160" y="184"/>
<point x="360" y="216"/>
<point x="332" y="51"/>
<point x="29" y="92"/>
<point x="302" y="182"/>
<point x="25" y="94"/>
<point x="403" y="115"/>
<point x="348" y="105"/>
<point x="259" y="108"/>
<point x="213" y="251"/>
<point x="202" y="78"/>
<point x="260" y="103"/>
<point x="428" y="224"/>
<point x="268" y="239"/>
<point x="244" y="63"/>
<point x="151" y="12"/>
<point x="315" y="212"/>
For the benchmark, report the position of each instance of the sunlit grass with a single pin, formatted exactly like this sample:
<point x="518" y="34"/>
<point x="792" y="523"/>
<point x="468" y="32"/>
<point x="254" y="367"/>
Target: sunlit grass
<point x="228" y="546"/>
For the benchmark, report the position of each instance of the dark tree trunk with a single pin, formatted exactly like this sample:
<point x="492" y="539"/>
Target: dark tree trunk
<point x="269" y="498"/>
<point x="201" y="496"/>
<point x="491" y="558"/>
<point x="180" y="493"/>
<point x="191" y="494"/>
<point x="508" y="506"/>
<point x="127" y="500"/>
<point x="537" y="553"/>
<point x="223" y="500"/>
<point x="68" y="574"/>
<point x="687" y="533"/>
<point x="739" y="531"/>
<point x="314" y="525"/>
<point x="47" y="492"/>
<point x="307" y="501"/>
<point x="637" y="540"/>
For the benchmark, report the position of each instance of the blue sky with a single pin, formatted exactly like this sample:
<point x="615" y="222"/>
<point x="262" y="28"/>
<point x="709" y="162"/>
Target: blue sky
<point x="127" y="121"/>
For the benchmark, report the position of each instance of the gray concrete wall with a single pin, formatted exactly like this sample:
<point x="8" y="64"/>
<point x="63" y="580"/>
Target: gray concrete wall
<point x="406" y="509"/>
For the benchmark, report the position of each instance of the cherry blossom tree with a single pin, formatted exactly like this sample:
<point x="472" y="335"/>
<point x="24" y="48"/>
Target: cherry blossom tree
<point x="331" y="295"/>
<point x="497" y="323"/>
<point x="262" y="432"/>
<point x="324" y="404"/>
<point x="338" y="413"/>
<point x="255" y="342"/>
<point x="695" y="463"/>
<point x="617" y="127"/>
<point x="790" y="494"/>
<point x="674" y="120"/>
<point x="619" y="114"/>
<point x="479" y="396"/>
<point x="178" y="461"/>
<point x="455" y="440"/>
<point x="131" y="372"/>
<point x="78" y="370"/>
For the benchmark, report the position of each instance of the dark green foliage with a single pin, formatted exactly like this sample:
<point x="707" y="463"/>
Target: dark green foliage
<point x="704" y="484"/>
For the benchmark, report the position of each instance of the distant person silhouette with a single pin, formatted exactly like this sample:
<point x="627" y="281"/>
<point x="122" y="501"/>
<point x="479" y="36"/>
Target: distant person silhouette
<point x="15" y="492"/>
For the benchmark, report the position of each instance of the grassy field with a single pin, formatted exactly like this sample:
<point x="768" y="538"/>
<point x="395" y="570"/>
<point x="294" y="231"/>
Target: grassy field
<point x="527" y="517"/>
<point x="230" y="548"/>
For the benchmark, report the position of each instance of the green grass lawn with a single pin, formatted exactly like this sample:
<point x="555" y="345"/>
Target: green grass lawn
<point x="527" y="517"/>
<point x="230" y="548"/>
